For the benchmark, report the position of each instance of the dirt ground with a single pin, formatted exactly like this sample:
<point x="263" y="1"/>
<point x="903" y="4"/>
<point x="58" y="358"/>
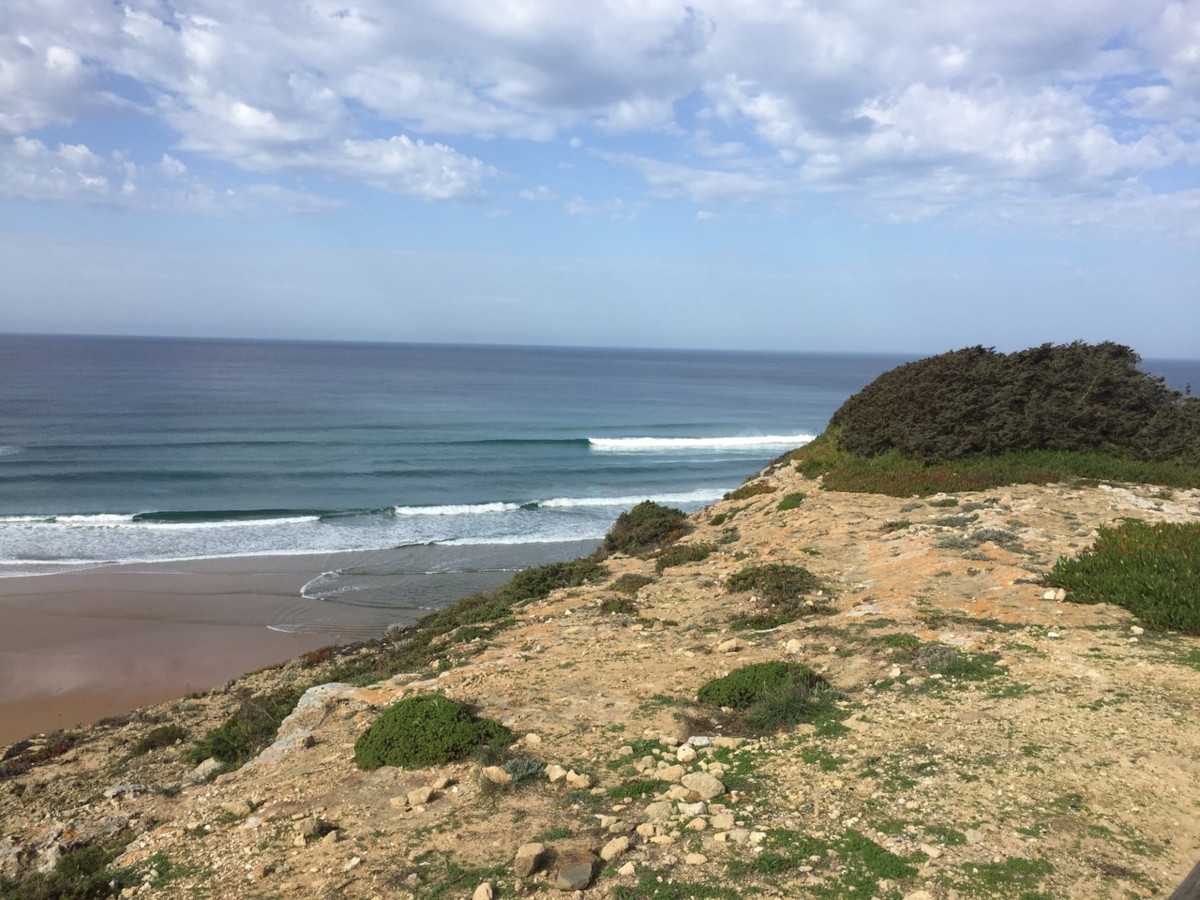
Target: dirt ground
<point x="1061" y="759"/>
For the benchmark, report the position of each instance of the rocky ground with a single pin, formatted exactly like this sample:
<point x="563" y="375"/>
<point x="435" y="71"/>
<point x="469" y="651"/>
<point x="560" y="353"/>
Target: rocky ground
<point x="1059" y="757"/>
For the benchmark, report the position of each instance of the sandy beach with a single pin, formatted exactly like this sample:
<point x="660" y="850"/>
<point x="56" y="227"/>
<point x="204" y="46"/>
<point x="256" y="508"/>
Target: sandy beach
<point x="78" y="646"/>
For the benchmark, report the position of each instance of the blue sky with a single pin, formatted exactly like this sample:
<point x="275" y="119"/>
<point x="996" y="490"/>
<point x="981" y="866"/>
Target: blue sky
<point x="851" y="175"/>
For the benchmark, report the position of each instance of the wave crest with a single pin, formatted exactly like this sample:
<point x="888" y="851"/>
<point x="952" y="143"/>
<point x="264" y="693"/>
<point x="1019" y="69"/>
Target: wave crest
<point x="750" y="442"/>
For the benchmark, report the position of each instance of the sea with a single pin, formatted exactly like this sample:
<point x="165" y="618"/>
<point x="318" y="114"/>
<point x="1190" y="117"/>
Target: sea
<point x="437" y="459"/>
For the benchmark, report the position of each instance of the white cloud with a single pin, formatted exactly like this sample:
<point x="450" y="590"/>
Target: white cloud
<point x="939" y="102"/>
<point x="73" y="173"/>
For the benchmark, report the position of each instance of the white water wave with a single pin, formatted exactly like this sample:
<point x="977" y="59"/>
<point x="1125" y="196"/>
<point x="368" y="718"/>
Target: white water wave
<point x="655" y="444"/>
<point x="462" y="509"/>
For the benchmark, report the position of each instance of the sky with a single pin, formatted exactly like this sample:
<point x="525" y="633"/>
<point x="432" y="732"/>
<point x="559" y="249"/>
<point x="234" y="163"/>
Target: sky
<point x="842" y="175"/>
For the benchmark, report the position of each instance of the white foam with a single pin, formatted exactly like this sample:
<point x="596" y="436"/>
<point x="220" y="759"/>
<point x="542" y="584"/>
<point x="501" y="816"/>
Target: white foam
<point x="697" y="496"/>
<point x="9" y="451"/>
<point x="654" y="444"/>
<point x="465" y="509"/>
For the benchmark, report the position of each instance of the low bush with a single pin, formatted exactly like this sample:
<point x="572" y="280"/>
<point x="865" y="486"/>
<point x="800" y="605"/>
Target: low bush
<point x="751" y="489"/>
<point x="680" y="554"/>
<point x="426" y="730"/>
<point x="790" y="501"/>
<point x="163" y="736"/>
<point x="770" y="696"/>
<point x="251" y="728"/>
<point x="629" y="584"/>
<point x="539" y="582"/>
<point x="773" y="582"/>
<point x="643" y="529"/>
<point x="1151" y="570"/>
<point x="619" y="606"/>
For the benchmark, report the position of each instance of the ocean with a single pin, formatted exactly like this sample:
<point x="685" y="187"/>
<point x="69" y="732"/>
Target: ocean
<point x="440" y="459"/>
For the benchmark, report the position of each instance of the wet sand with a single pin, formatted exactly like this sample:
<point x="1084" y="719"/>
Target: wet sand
<point x="76" y="647"/>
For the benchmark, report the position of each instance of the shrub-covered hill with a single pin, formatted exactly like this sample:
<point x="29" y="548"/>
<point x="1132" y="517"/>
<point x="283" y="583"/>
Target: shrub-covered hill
<point x="1070" y="397"/>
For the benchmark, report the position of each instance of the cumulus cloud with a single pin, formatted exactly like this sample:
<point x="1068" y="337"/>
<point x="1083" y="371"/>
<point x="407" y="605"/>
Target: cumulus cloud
<point x="920" y="108"/>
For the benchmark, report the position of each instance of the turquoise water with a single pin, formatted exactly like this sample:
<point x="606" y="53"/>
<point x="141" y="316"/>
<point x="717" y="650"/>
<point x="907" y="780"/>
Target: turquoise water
<point x="146" y="449"/>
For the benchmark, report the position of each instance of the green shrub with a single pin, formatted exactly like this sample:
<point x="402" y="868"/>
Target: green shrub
<point x="1151" y="570"/>
<point x="1054" y="397"/>
<point x="619" y="606"/>
<point x="751" y="489"/>
<point x="683" y="553"/>
<point x="790" y="501"/>
<point x="630" y="583"/>
<point x="643" y="529"/>
<point x="251" y="728"/>
<point x="163" y="736"/>
<point x="426" y="730"/>
<point x="774" y="581"/>
<point x="743" y="687"/>
<point x="773" y="695"/>
<point x="539" y="582"/>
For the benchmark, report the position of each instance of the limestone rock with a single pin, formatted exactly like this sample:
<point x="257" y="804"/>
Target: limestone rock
<point x="614" y="848"/>
<point x="203" y="772"/>
<point x="578" y="781"/>
<point x="703" y="784"/>
<point x="733" y="645"/>
<point x="528" y="859"/>
<point x="420" y="796"/>
<point x="484" y="892"/>
<point x="496" y="775"/>
<point x="555" y="772"/>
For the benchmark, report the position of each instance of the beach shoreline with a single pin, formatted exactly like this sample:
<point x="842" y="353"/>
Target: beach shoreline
<point x="82" y="645"/>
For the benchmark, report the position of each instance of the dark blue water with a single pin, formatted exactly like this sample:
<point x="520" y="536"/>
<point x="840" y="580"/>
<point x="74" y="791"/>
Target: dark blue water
<point x="150" y="449"/>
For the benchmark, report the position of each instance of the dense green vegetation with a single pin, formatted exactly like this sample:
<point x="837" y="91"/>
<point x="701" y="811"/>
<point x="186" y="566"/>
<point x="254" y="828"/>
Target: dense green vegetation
<point x="645" y="528"/>
<point x="973" y="419"/>
<point x="1060" y="398"/>
<point x="766" y="697"/>
<point x="426" y="730"/>
<point x="1151" y="570"/>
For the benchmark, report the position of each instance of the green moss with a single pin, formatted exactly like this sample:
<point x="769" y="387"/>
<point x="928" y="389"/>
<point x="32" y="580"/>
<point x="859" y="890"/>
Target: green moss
<point x="426" y="730"/>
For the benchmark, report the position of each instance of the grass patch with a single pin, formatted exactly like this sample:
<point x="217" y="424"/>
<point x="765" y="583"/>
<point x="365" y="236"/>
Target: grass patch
<point x="1151" y="570"/>
<point x="896" y="475"/>
<point x="642" y="787"/>
<point x="1013" y="878"/>
<point x="680" y="554"/>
